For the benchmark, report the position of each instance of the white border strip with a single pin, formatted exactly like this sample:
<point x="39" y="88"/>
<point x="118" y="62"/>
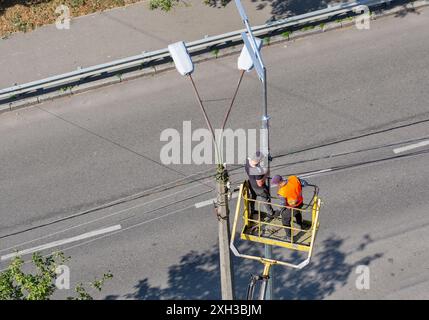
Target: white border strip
<point x="210" y="201"/>
<point x="61" y="242"/>
<point x="411" y="146"/>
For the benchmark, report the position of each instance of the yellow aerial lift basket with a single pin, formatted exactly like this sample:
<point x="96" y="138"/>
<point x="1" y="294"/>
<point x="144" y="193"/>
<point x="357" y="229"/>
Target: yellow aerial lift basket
<point x="257" y="227"/>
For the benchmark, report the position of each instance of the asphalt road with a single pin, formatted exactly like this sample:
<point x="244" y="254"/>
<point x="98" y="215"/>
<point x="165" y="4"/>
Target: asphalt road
<point x="127" y="31"/>
<point x="341" y="102"/>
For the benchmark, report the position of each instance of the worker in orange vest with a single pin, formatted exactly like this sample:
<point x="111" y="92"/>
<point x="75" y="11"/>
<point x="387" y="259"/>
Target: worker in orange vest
<point x="290" y="191"/>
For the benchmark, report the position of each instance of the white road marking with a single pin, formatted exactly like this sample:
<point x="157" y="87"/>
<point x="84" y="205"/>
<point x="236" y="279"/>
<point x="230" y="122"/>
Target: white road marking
<point x="315" y="173"/>
<point x="122" y="230"/>
<point x="101" y="218"/>
<point x="205" y="203"/>
<point x="61" y="242"/>
<point x="411" y="146"/>
<point x="117" y="231"/>
<point x="210" y="201"/>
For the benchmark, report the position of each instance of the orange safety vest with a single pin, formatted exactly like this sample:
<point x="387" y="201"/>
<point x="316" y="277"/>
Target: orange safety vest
<point x="292" y="190"/>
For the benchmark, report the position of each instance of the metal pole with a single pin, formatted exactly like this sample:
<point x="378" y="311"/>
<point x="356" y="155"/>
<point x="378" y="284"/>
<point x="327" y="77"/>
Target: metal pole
<point x="209" y="125"/>
<point x="232" y="101"/>
<point x="266" y="127"/>
<point x="263" y="291"/>
<point x="265" y="119"/>
<point x="251" y="287"/>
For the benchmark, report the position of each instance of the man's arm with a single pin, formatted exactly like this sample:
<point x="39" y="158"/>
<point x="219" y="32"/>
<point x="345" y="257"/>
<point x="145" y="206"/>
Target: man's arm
<point x="261" y="179"/>
<point x="304" y="183"/>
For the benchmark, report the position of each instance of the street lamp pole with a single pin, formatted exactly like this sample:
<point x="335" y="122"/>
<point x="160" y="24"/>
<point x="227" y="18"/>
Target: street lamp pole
<point x="222" y="209"/>
<point x="268" y="250"/>
<point x="252" y="47"/>
<point x="184" y="65"/>
<point x="246" y="62"/>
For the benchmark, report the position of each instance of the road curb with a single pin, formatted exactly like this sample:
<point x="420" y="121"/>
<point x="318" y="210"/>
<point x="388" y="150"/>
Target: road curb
<point x="166" y="65"/>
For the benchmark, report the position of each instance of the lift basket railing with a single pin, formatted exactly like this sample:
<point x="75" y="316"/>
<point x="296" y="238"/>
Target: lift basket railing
<point x="258" y="227"/>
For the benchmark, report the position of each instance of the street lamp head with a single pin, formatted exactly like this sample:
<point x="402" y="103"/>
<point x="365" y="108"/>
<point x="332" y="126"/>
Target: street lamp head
<point x="181" y="58"/>
<point x="245" y="61"/>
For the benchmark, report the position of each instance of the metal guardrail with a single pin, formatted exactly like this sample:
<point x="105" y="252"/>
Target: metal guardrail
<point x="194" y="46"/>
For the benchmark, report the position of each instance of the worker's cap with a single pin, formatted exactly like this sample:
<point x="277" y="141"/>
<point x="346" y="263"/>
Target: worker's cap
<point x="276" y="180"/>
<point x="256" y="157"/>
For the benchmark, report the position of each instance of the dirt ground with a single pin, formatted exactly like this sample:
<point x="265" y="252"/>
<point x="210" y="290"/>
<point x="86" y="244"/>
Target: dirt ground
<point x="26" y="15"/>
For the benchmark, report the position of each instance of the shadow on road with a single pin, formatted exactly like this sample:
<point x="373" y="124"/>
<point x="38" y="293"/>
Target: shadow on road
<point x="283" y="8"/>
<point x="196" y="276"/>
<point x="4" y="4"/>
<point x="287" y="8"/>
<point x="405" y="11"/>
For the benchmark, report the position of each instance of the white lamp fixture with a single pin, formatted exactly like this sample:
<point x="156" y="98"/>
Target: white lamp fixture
<point x="181" y="58"/>
<point x="245" y="61"/>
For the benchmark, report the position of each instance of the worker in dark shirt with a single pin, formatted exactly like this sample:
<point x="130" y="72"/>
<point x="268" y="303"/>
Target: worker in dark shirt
<point x="257" y="174"/>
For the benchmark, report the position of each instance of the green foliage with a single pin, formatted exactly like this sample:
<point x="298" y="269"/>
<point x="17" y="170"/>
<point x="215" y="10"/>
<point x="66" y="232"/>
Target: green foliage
<point x="76" y="3"/>
<point x="165" y="5"/>
<point x="82" y="293"/>
<point x="216" y="3"/>
<point x="215" y="52"/>
<point x="286" y="34"/>
<point x="15" y="284"/>
<point x="307" y="28"/>
<point x="64" y="89"/>
<point x="20" y="24"/>
<point x="267" y="41"/>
